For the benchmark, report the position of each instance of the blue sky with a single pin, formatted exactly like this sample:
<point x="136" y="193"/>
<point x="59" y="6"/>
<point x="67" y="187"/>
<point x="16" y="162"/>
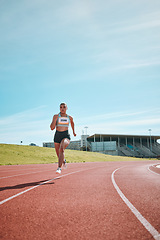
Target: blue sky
<point x="101" y="57"/>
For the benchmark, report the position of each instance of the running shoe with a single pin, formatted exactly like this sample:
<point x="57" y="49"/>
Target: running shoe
<point x="58" y="170"/>
<point x="64" y="163"/>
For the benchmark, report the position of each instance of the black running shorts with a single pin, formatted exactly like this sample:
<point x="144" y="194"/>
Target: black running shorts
<point x="59" y="136"/>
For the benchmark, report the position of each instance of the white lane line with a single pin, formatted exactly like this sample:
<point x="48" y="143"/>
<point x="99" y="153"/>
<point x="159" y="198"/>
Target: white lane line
<point x="153" y="171"/>
<point x="145" y="223"/>
<point x="158" y="166"/>
<point x="16" y="170"/>
<point x="29" y="189"/>
<point x="25" y="174"/>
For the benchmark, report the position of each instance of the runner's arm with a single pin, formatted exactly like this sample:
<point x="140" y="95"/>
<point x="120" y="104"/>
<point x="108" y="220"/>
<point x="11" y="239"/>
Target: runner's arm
<point x="72" y="125"/>
<point x="53" y="123"/>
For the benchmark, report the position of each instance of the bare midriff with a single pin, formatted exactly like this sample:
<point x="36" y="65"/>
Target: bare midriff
<point x="61" y="129"/>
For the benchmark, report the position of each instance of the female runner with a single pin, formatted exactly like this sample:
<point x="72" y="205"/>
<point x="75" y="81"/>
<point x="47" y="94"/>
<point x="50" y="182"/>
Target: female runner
<point x="61" y="138"/>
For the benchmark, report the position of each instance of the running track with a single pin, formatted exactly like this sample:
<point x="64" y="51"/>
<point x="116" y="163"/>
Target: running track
<point x="107" y="200"/>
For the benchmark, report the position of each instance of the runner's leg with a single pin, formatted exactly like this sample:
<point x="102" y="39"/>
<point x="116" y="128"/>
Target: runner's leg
<point x="64" y="143"/>
<point x="57" y="145"/>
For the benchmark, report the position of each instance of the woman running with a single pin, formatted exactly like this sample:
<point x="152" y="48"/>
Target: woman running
<point x="61" y="138"/>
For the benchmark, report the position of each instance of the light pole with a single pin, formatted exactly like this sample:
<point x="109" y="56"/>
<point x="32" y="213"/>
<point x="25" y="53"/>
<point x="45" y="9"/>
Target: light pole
<point x="150" y="140"/>
<point x="86" y="137"/>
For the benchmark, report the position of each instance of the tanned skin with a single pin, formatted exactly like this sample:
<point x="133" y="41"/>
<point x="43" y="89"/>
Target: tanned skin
<point x="60" y="147"/>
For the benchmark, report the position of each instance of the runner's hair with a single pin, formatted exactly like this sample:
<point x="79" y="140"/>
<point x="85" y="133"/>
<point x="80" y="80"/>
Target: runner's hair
<point x="64" y="104"/>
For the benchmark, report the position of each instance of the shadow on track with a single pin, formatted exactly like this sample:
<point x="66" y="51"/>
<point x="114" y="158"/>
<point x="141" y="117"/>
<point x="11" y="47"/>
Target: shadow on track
<point x="24" y="185"/>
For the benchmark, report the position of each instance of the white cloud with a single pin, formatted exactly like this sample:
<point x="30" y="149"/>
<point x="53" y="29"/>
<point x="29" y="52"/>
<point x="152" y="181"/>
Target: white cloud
<point x="33" y="125"/>
<point x="27" y="126"/>
<point x="138" y="64"/>
<point x="88" y="36"/>
<point x="136" y="23"/>
<point x="140" y="26"/>
<point x="126" y="122"/>
<point x="24" y="116"/>
<point x="134" y="127"/>
<point x="76" y="11"/>
<point x="122" y="115"/>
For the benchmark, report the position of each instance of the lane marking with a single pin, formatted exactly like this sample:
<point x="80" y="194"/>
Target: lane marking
<point x="16" y="170"/>
<point x="29" y="189"/>
<point x="144" y="222"/>
<point x="152" y="170"/>
<point x="158" y="166"/>
<point x="25" y="174"/>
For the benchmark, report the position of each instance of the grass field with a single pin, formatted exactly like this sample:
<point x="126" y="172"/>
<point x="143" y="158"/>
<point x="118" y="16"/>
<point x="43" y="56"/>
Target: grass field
<point x="20" y="154"/>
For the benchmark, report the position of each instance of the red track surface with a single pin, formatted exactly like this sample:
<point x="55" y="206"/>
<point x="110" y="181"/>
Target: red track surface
<point x="82" y="204"/>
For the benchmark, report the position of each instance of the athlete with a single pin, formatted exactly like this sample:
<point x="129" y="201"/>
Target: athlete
<point x="61" y="138"/>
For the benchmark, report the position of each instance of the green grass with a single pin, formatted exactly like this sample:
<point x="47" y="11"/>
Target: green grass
<point x="20" y="154"/>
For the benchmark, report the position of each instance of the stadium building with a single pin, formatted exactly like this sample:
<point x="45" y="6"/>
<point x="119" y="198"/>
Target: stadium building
<point x="121" y="145"/>
<point x="74" y="145"/>
<point x="125" y="145"/>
